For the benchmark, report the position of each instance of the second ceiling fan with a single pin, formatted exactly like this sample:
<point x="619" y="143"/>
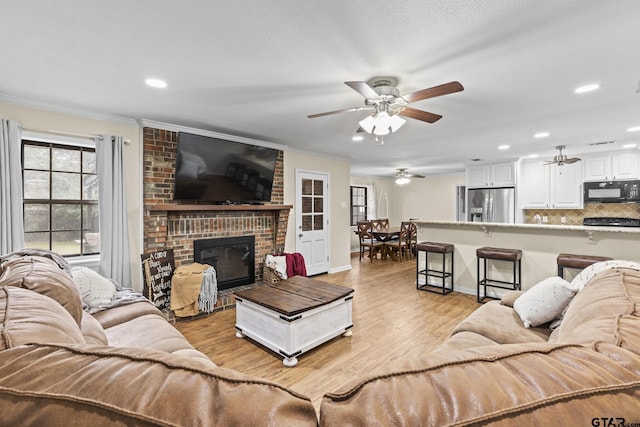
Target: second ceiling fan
<point x="383" y="98"/>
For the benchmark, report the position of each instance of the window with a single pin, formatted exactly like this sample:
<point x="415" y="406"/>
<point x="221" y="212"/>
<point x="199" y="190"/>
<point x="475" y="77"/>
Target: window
<point x="358" y="204"/>
<point x="60" y="191"/>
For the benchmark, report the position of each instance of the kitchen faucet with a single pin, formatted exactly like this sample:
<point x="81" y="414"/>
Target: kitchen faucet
<point x="537" y="218"/>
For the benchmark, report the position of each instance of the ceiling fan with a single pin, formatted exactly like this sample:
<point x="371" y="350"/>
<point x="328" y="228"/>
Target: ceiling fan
<point x="561" y="159"/>
<point x="383" y="99"/>
<point x="402" y="177"/>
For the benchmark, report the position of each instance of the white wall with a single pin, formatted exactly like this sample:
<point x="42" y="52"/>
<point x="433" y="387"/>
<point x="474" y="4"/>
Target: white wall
<point x="41" y="120"/>
<point x="338" y="171"/>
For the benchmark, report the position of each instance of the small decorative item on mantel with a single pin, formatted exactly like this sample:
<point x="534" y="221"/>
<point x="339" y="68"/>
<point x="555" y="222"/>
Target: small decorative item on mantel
<point x="157" y="269"/>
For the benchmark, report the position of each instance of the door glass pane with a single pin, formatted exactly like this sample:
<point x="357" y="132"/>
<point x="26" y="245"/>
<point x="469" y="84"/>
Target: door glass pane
<point x="36" y="185"/>
<point x="318" y="204"/>
<point x="307" y="204"/>
<point x="65" y="242"/>
<point x="36" y="157"/>
<point x="307" y="187"/>
<point x="36" y="217"/>
<point x="306" y="223"/>
<point x="318" y="187"/>
<point x="36" y="240"/>
<point x="65" y="217"/>
<point x="317" y="222"/>
<point x="65" y="186"/>
<point x="65" y="160"/>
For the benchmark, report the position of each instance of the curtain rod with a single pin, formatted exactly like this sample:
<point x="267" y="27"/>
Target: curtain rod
<point x="71" y="134"/>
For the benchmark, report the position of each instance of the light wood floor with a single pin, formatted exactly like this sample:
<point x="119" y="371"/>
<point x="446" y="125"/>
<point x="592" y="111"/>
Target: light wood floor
<point x="392" y="320"/>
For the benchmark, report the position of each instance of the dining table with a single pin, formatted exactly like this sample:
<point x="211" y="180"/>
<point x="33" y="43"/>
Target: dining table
<point x="385" y="235"/>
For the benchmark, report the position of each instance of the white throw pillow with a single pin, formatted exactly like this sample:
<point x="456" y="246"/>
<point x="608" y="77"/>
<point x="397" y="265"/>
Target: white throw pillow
<point x="95" y="290"/>
<point x="543" y="302"/>
<point x="277" y="263"/>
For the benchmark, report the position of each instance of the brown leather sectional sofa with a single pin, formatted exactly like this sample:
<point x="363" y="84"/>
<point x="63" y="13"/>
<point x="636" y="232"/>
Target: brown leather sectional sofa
<point x="127" y="366"/>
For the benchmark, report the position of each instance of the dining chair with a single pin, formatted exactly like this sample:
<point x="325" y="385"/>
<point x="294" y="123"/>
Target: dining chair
<point x="367" y="242"/>
<point x="412" y="238"/>
<point x="400" y="245"/>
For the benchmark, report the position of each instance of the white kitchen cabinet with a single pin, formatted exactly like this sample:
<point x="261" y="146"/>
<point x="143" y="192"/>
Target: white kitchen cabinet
<point x="551" y="186"/>
<point x="492" y="175"/>
<point x="608" y="167"/>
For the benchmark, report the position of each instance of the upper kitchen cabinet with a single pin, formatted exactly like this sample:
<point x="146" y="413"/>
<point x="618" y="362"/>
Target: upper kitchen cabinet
<point x="551" y="186"/>
<point x="492" y="175"/>
<point x="611" y="166"/>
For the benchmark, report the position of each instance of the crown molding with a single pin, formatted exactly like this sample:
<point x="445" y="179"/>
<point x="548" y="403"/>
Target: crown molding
<point x="179" y="128"/>
<point x="11" y="99"/>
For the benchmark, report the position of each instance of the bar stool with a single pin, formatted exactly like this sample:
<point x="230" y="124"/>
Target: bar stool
<point x="577" y="261"/>
<point x="441" y="248"/>
<point x="499" y="254"/>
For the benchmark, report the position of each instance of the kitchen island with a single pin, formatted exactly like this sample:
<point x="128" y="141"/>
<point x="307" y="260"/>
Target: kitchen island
<point x="540" y="245"/>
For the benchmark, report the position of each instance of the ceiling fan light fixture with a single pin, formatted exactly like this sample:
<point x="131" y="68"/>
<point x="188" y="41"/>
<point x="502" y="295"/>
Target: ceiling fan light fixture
<point x="396" y="122"/>
<point x="367" y="124"/>
<point x="381" y="131"/>
<point x="402" y="180"/>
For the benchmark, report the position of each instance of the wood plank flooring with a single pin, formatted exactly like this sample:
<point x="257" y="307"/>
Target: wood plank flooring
<point x="392" y="320"/>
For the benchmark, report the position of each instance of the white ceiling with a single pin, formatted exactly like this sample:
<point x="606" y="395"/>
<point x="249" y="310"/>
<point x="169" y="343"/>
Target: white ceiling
<point x="256" y="69"/>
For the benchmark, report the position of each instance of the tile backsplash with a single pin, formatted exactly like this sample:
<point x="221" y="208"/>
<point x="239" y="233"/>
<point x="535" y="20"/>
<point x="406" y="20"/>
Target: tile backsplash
<point x="575" y="216"/>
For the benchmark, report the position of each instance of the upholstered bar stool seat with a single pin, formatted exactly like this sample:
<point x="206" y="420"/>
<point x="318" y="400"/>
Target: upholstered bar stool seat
<point x="498" y="254"/>
<point x="426" y="272"/>
<point x="577" y="261"/>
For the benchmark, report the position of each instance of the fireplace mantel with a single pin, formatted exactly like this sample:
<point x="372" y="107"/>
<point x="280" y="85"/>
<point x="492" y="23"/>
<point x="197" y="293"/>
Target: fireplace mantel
<point x="194" y="208"/>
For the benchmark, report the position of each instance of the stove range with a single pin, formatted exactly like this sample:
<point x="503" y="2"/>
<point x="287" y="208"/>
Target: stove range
<point x="611" y="222"/>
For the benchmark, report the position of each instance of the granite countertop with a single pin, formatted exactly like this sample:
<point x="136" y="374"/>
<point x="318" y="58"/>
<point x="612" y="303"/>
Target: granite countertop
<point x="559" y="227"/>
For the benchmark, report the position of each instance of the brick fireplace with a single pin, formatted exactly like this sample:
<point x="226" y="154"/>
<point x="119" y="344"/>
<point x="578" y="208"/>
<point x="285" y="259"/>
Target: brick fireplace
<point x="177" y="224"/>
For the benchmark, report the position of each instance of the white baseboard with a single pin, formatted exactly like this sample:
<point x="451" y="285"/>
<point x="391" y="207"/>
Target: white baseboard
<point x="339" y="269"/>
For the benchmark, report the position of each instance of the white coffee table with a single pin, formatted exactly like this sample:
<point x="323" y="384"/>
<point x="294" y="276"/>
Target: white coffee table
<point x="294" y="315"/>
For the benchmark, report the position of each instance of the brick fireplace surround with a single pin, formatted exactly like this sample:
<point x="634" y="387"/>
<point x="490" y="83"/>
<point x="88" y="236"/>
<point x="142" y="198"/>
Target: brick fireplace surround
<point x="176" y="224"/>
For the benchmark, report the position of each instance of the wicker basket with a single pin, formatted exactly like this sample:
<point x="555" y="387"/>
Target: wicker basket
<point x="270" y="276"/>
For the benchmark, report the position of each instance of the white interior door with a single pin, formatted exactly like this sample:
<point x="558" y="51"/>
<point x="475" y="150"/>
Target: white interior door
<point x="312" y="220"/>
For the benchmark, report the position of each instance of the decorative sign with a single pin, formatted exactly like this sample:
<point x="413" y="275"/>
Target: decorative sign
<point x="157" y="268"/>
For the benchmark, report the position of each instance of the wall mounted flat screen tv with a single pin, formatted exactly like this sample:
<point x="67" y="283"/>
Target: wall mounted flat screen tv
<point x="221" y="171"/>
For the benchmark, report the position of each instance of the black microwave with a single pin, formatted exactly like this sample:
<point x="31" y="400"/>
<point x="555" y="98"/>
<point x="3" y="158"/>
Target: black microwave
<point x="612" y="192"/>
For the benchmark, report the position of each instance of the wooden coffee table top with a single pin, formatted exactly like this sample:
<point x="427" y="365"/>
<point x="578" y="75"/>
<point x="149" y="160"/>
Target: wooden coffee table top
<point x="294" y="295"/>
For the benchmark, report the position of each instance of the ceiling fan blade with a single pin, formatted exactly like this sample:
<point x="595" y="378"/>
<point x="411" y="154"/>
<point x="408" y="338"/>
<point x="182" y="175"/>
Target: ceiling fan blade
<point x="363" y="89"/>
<point x="360" y="130"/>
<point x="443" y="89"/>
<point x="346" y="110"/>
<point x="572" y="160"/>
<point x="416" y="176"/>
<point x="425" y="116"/>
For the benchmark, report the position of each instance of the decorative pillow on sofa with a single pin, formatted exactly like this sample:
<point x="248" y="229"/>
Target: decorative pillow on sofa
<point x="95" y="290"/>
<point x="543" y="302"/>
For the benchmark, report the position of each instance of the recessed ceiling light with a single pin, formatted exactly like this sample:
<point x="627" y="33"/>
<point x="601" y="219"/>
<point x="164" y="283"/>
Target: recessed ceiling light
<point x="503" y="147"/>
<point x="634" y="129"/>
<point x="156" y="83"/>
<point x="357" y="138"/>
<point x="629" y="146"/>
<point x="532" y="156"/>
<point x="541" y="135"/>
<point x="587" y="88"/>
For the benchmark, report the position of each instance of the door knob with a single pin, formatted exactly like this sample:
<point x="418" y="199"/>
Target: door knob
<point x="300" y="235"/>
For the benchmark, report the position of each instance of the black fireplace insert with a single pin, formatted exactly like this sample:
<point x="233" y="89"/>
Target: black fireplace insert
<point x="232" y="257"/>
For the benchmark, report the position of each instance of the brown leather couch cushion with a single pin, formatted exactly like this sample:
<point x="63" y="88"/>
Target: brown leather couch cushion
<point x="92" y="330"/>
<point x="124" y="313"/>
<point x="28" y="317"/>
<point x="104" y="386"/>
<point x="500" y="324"/>
<point x="535" y="384"/>
<point x="44" y="276"/>
<point x="604" y="311"/>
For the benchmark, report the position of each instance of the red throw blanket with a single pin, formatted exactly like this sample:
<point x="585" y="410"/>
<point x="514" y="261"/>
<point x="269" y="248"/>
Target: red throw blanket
<point x="295" y="265"/>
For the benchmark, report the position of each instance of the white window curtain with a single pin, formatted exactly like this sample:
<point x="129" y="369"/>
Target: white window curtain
<point x="114" y="236"/>
<point x="371" y="201"/>
<point x="11" y="220"/>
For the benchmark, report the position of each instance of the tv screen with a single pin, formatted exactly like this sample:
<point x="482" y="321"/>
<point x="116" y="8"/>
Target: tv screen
<point x="221" y="171"/>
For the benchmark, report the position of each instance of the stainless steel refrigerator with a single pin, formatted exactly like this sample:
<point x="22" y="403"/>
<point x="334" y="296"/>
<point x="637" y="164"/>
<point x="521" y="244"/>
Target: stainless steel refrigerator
<point x="492" y="205"/>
